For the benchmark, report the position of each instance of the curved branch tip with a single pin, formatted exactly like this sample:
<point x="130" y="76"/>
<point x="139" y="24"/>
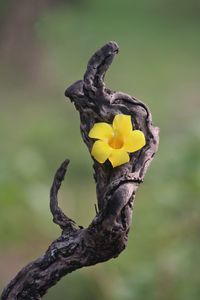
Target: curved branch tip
<point x="58" y="215"/>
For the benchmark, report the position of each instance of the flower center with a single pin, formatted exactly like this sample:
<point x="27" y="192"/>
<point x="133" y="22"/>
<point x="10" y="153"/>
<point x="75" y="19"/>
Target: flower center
<point x="116" y="142"/>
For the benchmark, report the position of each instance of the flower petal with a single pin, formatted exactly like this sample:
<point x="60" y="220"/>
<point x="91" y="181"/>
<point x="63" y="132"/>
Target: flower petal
<point x="118" y="157"/>
<point x="101" y="151"/>
<point x="134" y="141"/>
<point x="102" y="131"/>
<point x="122" y="124"/>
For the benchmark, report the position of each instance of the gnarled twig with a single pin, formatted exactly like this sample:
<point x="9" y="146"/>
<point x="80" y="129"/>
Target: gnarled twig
<point x="107" y="234"/>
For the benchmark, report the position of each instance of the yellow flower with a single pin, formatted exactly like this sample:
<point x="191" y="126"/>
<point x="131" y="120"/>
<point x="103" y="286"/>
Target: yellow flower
<point x="115" y="141"/>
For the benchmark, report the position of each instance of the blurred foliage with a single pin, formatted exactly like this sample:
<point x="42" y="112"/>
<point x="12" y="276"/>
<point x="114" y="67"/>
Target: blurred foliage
<point x="159" y="62"/>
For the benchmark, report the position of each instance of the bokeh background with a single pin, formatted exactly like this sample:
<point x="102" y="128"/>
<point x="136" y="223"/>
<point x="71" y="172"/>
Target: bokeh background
<point x="44" y="47"/>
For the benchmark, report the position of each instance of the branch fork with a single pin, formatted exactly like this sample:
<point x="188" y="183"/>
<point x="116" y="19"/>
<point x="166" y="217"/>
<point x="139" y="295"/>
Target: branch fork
<point x="107" y="235"/>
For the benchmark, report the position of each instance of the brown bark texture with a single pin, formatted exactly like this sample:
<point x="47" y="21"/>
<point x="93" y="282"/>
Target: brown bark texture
<point x="107" y="235"/>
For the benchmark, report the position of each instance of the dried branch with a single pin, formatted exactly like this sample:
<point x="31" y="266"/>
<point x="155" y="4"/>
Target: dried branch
<point x="107" y="234"/>
<point x="58" y="216"/>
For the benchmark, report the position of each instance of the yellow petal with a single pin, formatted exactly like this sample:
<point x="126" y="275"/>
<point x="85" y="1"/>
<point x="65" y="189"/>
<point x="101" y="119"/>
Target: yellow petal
<point x="122" y="124"/>
<point x="134" y="141"/>
<point x="102" y="131"/>
<point x="101" y="151"/>
<point x="118" y="157"/>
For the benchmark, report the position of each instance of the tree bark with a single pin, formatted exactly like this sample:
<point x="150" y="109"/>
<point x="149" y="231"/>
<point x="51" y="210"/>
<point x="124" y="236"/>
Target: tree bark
<point x="107" y="235"/>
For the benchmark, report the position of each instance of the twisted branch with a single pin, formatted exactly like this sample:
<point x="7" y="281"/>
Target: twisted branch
<point x="107" y="234"/>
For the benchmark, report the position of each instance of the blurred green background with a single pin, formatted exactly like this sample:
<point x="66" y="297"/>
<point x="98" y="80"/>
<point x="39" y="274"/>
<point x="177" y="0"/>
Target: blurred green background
<point x="44" y="47"/>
